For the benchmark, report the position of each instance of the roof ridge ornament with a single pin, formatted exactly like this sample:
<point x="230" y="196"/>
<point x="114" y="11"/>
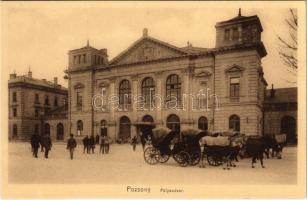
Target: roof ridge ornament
<point x="145" y="32"/>
<point x="239" y="14"/>
<point x="88" y="43"/>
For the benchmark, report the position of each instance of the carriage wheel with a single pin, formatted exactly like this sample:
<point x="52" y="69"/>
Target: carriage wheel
<point x="162" y="159"/>
<point x="195" y="158"/>
<point x="150" y="155"/>
<point x="182" y="158"/>
<point x="213" y="160"/>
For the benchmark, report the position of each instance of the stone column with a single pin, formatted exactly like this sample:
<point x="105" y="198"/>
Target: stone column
<point x="186" y="99"/>
<point x="134" y="93"/>
<point x="159" y="99"/>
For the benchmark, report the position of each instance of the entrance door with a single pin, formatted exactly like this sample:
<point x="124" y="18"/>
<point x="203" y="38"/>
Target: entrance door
<point x="288" y="126"/>
<point x="60" y="132"/>
<point x="124" y="128"/>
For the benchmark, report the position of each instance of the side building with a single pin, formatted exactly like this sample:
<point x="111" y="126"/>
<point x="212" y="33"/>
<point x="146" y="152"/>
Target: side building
<point x="280" y="114"/>
<point x="30" y="100"/>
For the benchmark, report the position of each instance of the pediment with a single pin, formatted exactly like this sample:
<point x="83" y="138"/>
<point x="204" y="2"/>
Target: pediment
<point x="78" y="86"/>
<point x="234" y="68"/>
<point x="147" y="49"/>
<point x="203" y="74"/>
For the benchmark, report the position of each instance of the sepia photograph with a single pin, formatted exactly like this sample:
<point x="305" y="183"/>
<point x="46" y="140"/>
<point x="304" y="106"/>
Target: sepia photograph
<point x="153" y="99"/>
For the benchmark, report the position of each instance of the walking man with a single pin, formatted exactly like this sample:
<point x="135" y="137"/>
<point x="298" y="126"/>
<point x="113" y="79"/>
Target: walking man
<point x="35" y="140"/>
<point x="71" y="145"/>
<point x="92" y="143"/>
<point x="134" y="141"/>
<point x="47" y="144"/>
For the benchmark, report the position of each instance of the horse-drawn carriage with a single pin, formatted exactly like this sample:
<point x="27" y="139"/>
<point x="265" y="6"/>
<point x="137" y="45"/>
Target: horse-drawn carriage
<point x="220" y="148"/>
<point x="185" y="150"/>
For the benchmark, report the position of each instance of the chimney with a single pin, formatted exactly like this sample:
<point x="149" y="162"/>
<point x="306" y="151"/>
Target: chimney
<point x="55" y="80"/>
<point x="145" y="32"/>
<point x="12" y="76"/>
<point x="272" y="92"/>
<point x="30" y="73"/>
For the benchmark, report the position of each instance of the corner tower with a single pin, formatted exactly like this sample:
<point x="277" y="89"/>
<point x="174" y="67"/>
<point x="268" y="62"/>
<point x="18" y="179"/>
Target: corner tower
<point x="87" y="57"/>
<point x="238" y="30"/>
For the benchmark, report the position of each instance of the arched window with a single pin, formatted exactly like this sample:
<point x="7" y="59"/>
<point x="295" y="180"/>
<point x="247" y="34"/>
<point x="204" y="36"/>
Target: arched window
<point x="124" y="93"/>
<point x="15" y="131"/>
<point x="203" y="123"/>
<point x="173" y="122"/>
<point x="60" y="131"/>
<point x="173" y="88"/>
<point x="234" y="122"/>
<point x="79" y="127"/>
<point x="148" y="91"/>
<point x="124" y="128"/>
<point x="47" y="129"/>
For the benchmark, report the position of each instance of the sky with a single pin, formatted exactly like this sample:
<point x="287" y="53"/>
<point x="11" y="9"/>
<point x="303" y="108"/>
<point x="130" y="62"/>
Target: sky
<point x="39" y="35"/>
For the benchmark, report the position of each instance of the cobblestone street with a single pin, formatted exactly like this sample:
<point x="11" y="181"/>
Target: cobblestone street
<point x="123" y="166"/>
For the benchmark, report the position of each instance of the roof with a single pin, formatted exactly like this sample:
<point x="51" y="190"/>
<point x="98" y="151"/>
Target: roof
<point x="36" y="82"/>
<point x="192" y="50"/>
<point x="144" y="38"/>
<point x="282" y="95"/>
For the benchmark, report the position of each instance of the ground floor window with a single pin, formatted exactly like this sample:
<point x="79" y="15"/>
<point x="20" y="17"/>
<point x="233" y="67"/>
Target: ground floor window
<point x="124" y="128"/>
<point x="234" y="123"/>
<point x="79" y="127"/>
<point x="60" y="131"/>
<point x="203" y="123"/>
<point x="15" y="131"/>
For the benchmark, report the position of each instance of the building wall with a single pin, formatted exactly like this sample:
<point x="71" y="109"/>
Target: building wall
<point x="26" y="106"/>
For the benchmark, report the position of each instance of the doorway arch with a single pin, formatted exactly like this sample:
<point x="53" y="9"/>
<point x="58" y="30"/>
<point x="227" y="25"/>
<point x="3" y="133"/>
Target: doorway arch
<point x="173" y="122"/>
<point x="124" y="127"/>
<point x="60" y="131"/>
<point x="288" y="126"/>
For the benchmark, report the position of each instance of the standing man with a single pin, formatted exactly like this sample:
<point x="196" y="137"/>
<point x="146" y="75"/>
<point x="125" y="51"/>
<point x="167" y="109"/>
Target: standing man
<point x="85" y="144"/>
<point x="47" y="144"/>
<point x="92" y="143"/>
<point x="102" y="143"/>
<point x="35" y="140"/>
<point x="71" y="145"/>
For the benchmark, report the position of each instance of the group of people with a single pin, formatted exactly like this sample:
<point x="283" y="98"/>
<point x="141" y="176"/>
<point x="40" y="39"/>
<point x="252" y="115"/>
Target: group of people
<point x="89" y="144"/>
<point x="40" y="141"/>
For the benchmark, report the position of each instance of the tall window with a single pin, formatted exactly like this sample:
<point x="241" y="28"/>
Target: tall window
<point x="124" y="93"/>
<point x="235" y="34"/>
<point x="36" y="99"/>
<point x="226" y="34"/>
<point x="234" y="122"/>
<point x="79" y="100"/>
<point x="235" y="87"/>
<point x="15" y="130"/>
<point x="173" y="88"/>
<point x="203" y="123"/>
<point x="79" y="127"/>
<point x="148" y="91"/>
<point x="55" y="101"/>
<point x="14" y="112"/>
<point x="36" y="113"/>
<point x="46" y="100"/>
<point x="14" y="97"/>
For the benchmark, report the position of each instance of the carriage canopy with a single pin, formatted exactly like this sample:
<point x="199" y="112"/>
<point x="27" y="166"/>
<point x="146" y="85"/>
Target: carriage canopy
<point x="160" y="132"/>
<point x="190" y="131"/>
